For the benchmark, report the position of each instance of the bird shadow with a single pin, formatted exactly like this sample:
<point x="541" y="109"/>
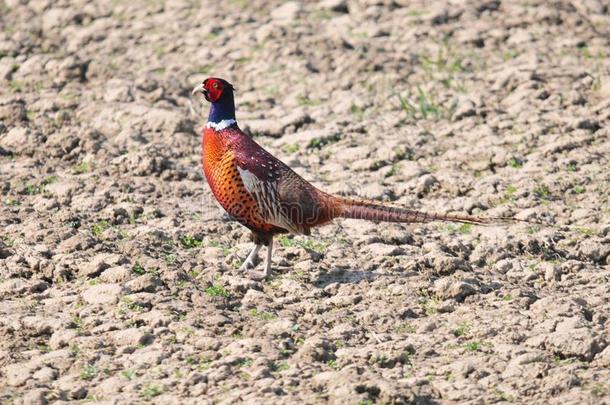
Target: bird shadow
<point x="343" y="276"/>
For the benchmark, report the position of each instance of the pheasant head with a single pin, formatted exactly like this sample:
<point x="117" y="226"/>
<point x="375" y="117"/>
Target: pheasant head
<point x="213" y="89"/>
<point x="219" y="93"/>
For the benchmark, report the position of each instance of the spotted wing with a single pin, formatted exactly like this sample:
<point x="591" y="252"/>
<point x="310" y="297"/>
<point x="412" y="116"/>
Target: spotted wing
<point x="284" y="198"/>
<point x="267" y="196"/>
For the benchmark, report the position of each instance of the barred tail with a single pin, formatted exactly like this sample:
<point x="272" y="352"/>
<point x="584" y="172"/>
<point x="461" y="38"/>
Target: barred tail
<point x="374" y="211"/>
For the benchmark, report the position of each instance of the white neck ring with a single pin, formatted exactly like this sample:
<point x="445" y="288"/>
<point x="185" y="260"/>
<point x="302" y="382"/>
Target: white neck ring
<point x="220" y="125"/>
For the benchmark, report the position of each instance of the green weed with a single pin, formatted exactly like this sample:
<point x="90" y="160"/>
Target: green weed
<point x="32" y="189"/>
<point x="138" y="269"/>
<point x="430" y="306"/>
<point x="320" y="142"/>
<point x="217" y="290"/>
<point x="279" y="367"/>
<point x="263" y="315"/>
<point x="190" y="242"/>
<point x="515" y="163"/>
<point x="424" y="106"/>
<point x="50" y="179"/>
<point x="82" y="167"/>
<point x="151" y="390"/>
<point x="472" y="346"/>
<point x="306" y="101"/>
<point x="406" y="327"/>
<point x="100" y="227"/>
<point x="285" y="241"/>
<point x="542" y="192"/>
<point x="462" y="329"/>
<point x="89" y="372"/>
<point x="291" y="148"/>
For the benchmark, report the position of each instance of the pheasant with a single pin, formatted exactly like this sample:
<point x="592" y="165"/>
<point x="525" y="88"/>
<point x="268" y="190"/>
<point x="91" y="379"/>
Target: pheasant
<point x="265" y="195"/>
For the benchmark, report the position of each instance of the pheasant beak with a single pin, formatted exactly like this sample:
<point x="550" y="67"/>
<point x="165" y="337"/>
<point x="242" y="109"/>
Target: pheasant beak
<point x="202" y="90"/>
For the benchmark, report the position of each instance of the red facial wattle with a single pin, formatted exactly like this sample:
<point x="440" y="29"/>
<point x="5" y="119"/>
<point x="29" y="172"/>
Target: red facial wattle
<point x="213" y="90"/>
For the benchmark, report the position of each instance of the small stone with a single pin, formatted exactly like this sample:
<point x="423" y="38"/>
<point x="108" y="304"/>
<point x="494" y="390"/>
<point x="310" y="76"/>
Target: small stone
<point x="571" y="323"/>
<point x="338" y="6"/>
<point x="132" y="337"/>
<point x="287" y="11"/>
<point x="316" y="349"/>
<point x="425" y="184"/>
<point x="445" y="265"/>
<point x="383" y="250"/>
<point x="77" y="242"/>
<point x="117" y="274"/>
<point x="446" y="306"/>
<point x="41" y="325"/>
<point x="18" y="374"/>
<point x="574" y="343"/>
<point x="60" y="144"/>
<point x="56" y="17"/>
<point x="62" y="338"/>
<point x="454" y="289"/>
<point x="12" y="111"/>
<point x="21" y="140"/>
<point x="45" y="374"/>
<point x="277" y="127"/>
<point x="143" y="283"/>
<point x="375" y="191"/>
<point x="279" y="327"/>
<point x="166" y="121"/>
<point x="603" y="359"/>
<point x="102" y="294"/>
<point x="242" y="284"/>
<point x="504" y="265"/>
<point x="595" y="251"/>
<point x="13" y="286"/>
<point x="117" y="91"/>
<point x="254" y="298"/>
<point x="588" y="124"/>
<point x="550" y="307"/>
<point x="155" y="318"/>
<point x="323" y="379"/>
<point x="465" y="108"/>
<point x="43" y="203"/>
<point x="529" y="364"/>
<point x="146" y="357"/>
<point x="7" y="67"/>
<point x="464" y="367"/>
<point x="78" y="392"/>
<point x="67" y="69"/>
<point x="428" y="326"/>
<point x="551" y="272"/>
<point x="36" y="396"/>
<point x="95" y="266"/>
<point x="111" y="384"/>
<point x="217" y="320"/>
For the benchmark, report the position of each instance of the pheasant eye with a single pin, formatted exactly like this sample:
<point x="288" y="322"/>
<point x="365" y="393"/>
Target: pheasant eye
<point x="215" y="85"/>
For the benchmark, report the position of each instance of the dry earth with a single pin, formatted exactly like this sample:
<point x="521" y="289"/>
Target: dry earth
<point x="117" y="269"/>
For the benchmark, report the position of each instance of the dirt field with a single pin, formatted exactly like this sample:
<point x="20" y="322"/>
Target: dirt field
<point x="118" y="278"/>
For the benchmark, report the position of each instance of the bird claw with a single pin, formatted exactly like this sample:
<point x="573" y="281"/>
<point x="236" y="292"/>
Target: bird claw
<point x="246" y="265"/>
<point x="250" y="263"/>
<point x="254" y="275"/>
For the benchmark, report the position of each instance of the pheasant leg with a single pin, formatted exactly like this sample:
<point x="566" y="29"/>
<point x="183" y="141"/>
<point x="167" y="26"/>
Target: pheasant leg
<point x="250" y="260"/>
<point x="267" y="272"/>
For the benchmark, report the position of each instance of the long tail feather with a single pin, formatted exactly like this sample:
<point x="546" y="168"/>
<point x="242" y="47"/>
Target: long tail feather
<point x="373" y="211"/>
